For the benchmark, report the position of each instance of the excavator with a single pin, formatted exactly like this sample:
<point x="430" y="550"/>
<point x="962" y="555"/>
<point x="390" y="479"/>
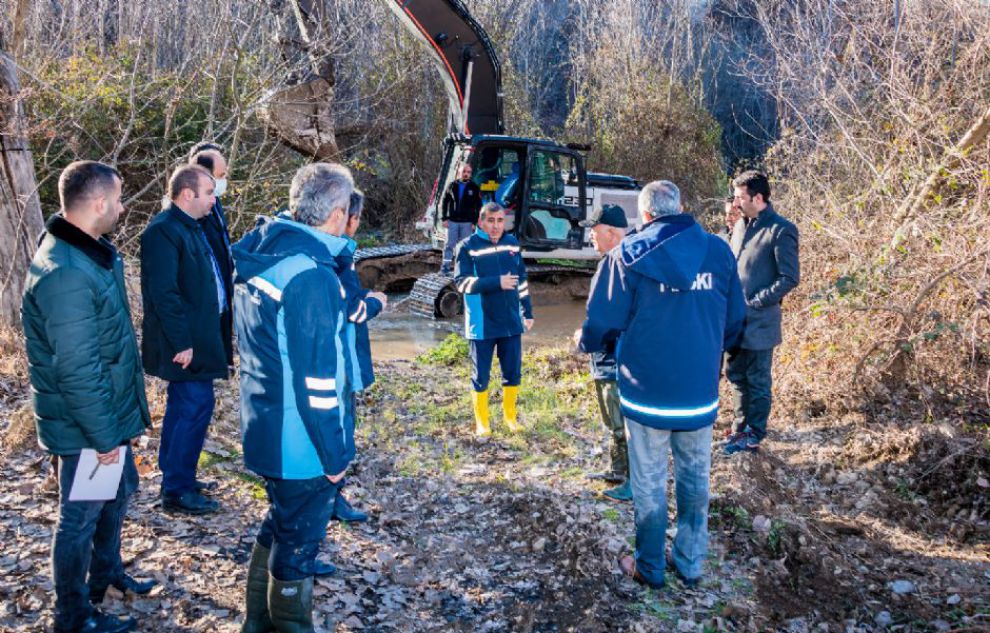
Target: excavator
<point x="543" y="185"/>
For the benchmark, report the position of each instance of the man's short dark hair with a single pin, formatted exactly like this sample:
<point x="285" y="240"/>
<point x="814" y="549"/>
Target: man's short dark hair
<point x="204" y="146"/>
<point x="755" y="182"/>
<point x="85" y="179"/>
<point x="205" y="159"/>
<point x="186" y="177"/>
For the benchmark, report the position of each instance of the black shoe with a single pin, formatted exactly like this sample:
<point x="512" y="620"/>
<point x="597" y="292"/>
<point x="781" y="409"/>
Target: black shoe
<point x="344" y="511"/>
<point x="141" y="587"/>
<point x="105" y="623"/>
<point x="123" y="585"/>
<point x="190" y="502"/>
<point x="205" y="486"/>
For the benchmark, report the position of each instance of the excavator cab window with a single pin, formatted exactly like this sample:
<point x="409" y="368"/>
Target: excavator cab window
<point x="554" y="194"/>
<point x="497" y="173"/>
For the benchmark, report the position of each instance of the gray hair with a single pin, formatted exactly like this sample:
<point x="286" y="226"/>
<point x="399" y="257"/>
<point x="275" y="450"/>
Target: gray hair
<point x="356" y="205"/>
<point x="490" y="207"/>
<point x="317" y="190"/>
<point x="660" y="197"/>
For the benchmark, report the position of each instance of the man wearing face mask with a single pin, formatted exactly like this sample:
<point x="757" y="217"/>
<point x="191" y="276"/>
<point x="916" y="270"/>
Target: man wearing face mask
<point x="210" y="157"/>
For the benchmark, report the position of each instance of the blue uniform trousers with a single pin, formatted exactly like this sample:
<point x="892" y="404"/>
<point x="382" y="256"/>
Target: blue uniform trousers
<point x="296" y="524"/>
<point x="509" y="350"/>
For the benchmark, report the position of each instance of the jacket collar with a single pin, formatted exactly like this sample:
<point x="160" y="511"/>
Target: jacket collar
<point x="486" y="237"/>
<point x="334" y="245"/>
<point x="101" y="251"/>
<point x="174" y="211"/>
<point x="763" y="217"/>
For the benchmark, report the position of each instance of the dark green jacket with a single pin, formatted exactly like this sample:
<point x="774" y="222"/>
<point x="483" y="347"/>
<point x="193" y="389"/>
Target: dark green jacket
<point x="86" y="377"/>
<point x="181" y="305"/>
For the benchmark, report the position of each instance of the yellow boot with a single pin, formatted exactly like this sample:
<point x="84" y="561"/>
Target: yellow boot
<point x="480" y="401"/>
<point x="509" y="397"/>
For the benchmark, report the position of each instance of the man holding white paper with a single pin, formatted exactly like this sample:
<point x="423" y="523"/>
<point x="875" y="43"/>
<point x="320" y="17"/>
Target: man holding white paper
<point x="88" y="390"/>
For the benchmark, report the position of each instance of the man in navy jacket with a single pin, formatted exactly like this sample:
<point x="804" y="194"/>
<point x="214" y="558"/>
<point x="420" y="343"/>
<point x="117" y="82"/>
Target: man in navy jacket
<point x="297" y="424"/>
<point x="182" y="291"/>
<point x="491" y="275"/>
<point x="670" y="295"/>
<point x="362" y="306"/>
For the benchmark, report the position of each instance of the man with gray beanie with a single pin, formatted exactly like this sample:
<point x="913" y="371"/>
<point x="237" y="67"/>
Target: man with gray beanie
<point x="297" y="421"/>
<point x="670" y="296"/>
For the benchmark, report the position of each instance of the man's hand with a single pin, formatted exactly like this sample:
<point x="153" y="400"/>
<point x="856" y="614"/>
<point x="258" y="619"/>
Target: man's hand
<point x="577" y="338"/>
<point x="183" y="358"/>
<point x="445" y="223"/>
<point x="106" y="459"/>
<point x="528" y="323"/>
<point x="335" y="479"/>
<point x="381" y="297"/>
<point x="509" y="281"/>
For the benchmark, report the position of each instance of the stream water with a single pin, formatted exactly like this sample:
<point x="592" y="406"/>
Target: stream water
<point x="398" y="335"/>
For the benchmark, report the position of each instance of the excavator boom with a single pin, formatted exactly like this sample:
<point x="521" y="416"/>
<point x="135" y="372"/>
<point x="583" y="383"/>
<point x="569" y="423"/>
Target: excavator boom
<point x="466" y="59"/>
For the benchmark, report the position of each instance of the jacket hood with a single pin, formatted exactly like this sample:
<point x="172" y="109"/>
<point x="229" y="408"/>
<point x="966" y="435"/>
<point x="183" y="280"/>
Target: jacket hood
<point x="274" y="239"/>
<point x="669" y="250"/>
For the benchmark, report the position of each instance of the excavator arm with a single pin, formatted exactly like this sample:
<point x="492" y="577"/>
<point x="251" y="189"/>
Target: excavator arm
<point x="465" y="57"/>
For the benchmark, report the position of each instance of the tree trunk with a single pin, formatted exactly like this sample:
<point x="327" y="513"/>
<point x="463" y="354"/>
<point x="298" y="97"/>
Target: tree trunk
<point x="20" y="209"/>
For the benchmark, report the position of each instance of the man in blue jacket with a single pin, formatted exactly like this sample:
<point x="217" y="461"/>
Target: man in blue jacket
<point x="362" y="306"/>
<point x="766" y="247"/>
<point x="297" y="423"/>
<point x="491" y="275"/>
<point x="671" y="297"/>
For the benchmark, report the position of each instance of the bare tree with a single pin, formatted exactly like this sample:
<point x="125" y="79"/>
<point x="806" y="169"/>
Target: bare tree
<point x="20" y="210"/>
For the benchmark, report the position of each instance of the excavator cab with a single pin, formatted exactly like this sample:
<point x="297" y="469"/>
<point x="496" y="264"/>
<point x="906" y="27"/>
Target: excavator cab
<point x="540" y="184"/>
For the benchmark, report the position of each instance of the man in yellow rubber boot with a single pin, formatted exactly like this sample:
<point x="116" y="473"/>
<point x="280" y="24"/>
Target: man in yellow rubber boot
<point x="491" y="275"/>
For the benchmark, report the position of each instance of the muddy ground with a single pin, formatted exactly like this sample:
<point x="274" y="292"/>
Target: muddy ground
<point x="843" y="522"/>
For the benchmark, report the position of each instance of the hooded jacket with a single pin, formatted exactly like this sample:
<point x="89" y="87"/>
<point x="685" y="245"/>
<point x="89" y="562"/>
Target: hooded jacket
<point x="671" y="296"/>
<point x="360" y="309"/>
<point x="296" y="417"/>
<point x="489" y="311"/>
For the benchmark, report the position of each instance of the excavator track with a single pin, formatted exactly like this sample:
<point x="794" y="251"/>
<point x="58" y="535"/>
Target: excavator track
<point x="394" y="250"/>
<point x="435" y="296"/>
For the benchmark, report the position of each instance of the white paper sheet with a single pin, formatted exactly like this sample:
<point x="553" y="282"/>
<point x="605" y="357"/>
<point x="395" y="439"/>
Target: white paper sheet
<point x="95" y="481"/>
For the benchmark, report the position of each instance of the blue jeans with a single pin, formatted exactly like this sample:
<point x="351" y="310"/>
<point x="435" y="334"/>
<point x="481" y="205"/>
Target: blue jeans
<point x="188" y="411"/>
<point x="86" y="539"/>
<point x="456" y="231"/>
<point x="296" y="524"/>
<point x="648" y="475"/>
<point x="749" y="374"/>
<point x="509" y="349"/>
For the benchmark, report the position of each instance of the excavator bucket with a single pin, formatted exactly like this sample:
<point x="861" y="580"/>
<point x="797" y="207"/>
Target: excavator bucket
<point x="466" y="60"/>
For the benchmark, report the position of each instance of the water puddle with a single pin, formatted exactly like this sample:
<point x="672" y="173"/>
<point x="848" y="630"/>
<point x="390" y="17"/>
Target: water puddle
<point x="398" y="335"/>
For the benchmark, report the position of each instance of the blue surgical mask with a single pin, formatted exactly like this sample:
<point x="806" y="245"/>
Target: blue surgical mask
<point x="219" y="186"/>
